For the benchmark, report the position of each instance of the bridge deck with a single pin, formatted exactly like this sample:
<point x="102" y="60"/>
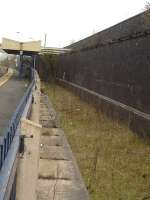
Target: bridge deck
<point x="10" y="95"/>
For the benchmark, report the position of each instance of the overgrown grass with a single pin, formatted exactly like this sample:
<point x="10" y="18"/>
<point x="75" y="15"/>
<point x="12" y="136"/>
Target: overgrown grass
<point x="114" y="162"/>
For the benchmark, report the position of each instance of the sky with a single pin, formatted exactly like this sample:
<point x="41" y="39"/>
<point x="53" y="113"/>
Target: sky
<point x="63" y="21"/>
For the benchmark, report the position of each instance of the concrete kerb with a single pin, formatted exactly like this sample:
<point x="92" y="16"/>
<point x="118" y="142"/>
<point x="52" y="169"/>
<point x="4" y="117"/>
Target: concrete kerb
<point x="27" y="172"/>
<point x="28" y="164"/>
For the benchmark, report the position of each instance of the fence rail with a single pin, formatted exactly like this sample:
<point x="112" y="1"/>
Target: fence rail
<point x="9" y="143"/>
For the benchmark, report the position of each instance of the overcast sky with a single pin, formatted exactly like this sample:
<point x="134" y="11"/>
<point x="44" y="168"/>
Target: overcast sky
<point x="62" y="20"/>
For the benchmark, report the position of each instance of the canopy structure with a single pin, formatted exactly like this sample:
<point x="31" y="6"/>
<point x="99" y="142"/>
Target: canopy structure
<point x="29" y="48"/>
<point x="32" y="48"/>
<point x="16" y="47"/>
<point x="22" y="49"/>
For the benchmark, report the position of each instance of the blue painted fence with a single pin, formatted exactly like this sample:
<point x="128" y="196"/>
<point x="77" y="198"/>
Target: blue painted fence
<point x="9" y="145"/>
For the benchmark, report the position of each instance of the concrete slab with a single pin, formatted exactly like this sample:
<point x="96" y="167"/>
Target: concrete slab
<point x="51" y="132"/>
<point x="47" y="109"/>
<point x="53" y="153"/>
<point x="45" y="117"/>
<point x="59" y="176"/>
<point x="48" y="123"/>
<point x="52" y="140"/>
<point x="59" y="190"/>
<point x="55" y="169"/>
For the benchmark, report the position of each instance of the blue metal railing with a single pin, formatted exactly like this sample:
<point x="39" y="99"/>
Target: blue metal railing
<point x="9" y="144"/>
<point x="6" y="140"/>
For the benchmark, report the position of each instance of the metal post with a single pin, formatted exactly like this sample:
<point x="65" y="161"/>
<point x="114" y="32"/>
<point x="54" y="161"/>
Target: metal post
<point x="37" y="63"/>
<point x="45" y="38"/>
<point x="33" y="65"/>
<point x="34" y="61"/>
<point x="21" y="64"/>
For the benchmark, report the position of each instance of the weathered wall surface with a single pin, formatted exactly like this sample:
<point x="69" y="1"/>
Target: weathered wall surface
<point x="114" y="63"/>
<point x="134" y="25"/>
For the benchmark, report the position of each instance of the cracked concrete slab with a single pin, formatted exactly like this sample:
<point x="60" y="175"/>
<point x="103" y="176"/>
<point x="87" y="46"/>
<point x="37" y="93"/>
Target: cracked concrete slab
<point x="48" y="169"/>
<point x="59" y="190"/>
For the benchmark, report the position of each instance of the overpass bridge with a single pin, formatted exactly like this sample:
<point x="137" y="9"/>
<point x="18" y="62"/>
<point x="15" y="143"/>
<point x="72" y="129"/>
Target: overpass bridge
<point x="24" y="114"/>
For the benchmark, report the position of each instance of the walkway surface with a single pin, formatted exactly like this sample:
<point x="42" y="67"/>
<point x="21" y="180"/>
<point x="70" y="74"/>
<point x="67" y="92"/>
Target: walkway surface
<point x="59" y="177"/>
<point x="10" y="95"/>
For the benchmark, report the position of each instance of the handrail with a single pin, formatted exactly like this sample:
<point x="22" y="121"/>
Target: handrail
<point x="7" y="138"/>
<point x="9" y="144"/>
